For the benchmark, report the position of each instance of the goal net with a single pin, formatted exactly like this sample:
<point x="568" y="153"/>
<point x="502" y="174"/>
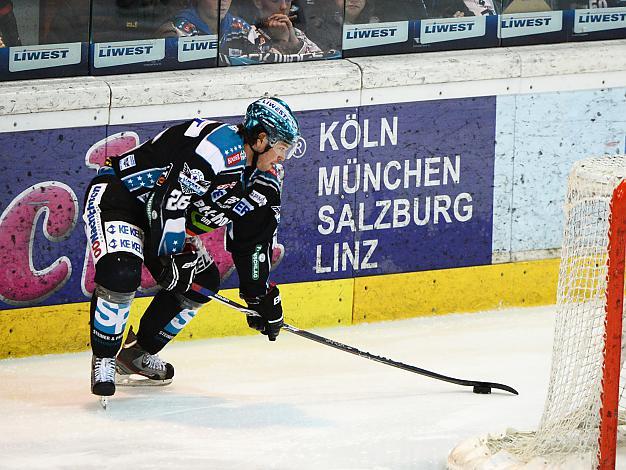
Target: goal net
<point x="579" y="424"/>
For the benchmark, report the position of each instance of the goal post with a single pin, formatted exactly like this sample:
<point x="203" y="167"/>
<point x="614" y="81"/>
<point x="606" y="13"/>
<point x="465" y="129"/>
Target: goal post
<point x="579" y="425"/>
<point x="607" y="441"/>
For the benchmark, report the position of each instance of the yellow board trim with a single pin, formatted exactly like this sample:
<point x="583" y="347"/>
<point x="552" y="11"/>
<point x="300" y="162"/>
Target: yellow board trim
<point x="65" y="328"/>
<point x="472" y="289"/>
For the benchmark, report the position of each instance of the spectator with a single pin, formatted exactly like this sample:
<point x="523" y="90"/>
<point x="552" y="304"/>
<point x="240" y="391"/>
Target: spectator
<point x="358" y="11"/>
<point x="447" y="9"/>
<point x="273" y="20"/>
<point x="324" y="21"/>
<point x="9" y="36"/>
<point x="462" y="8"/>
<point x="481" y="7"/>
<point x="201" y="18"/>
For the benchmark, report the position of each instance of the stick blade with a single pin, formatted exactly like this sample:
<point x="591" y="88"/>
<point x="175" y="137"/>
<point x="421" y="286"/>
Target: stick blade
<point x="506" y="388"/>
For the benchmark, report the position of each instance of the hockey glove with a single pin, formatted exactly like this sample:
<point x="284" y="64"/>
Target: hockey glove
<point x="270" y="310"/>
<point x="178" y="271"/>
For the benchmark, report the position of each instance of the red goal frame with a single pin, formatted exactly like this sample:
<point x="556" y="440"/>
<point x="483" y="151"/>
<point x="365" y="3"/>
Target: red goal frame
<point x="607" y="441"/>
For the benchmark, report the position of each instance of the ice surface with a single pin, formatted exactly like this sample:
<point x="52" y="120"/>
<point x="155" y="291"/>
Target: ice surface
<point x="246" y="403"/>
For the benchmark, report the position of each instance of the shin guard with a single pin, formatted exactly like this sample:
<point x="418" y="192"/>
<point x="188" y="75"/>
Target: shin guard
<point x="107" y="320"/>
<point x="164" y="318"/>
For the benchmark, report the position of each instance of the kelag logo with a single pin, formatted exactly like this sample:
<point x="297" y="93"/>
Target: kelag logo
<point x="374" y="34"/>
<point x="41" y="57"/>
<point x="109" y="54"/>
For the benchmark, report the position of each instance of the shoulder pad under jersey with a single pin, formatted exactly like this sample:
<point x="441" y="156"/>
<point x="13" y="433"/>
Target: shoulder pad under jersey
<point x="223" y="150"/>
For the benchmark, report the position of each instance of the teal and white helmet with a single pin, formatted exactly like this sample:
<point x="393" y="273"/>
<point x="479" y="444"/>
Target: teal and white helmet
<point x="273" y="116"/>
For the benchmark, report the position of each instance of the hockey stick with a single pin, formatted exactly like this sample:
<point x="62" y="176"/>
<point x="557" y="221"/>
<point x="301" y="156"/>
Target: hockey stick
<point x="478" y="386"/>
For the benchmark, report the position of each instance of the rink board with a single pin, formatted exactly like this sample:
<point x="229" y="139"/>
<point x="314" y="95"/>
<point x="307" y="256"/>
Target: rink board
<point x="412" y="182"/>
<point x="455" y="290"/>
<point x="369" y="191"/>
<point x="65" y="328"/>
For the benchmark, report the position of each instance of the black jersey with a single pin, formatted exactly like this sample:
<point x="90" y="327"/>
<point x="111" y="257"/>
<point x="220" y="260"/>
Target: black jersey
<point x="199" y="162"/>
<point x="263" y="190"/>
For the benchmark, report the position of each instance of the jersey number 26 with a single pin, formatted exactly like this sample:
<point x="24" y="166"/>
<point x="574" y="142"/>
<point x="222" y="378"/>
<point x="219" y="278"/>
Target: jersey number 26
<point x="177" y="201"/>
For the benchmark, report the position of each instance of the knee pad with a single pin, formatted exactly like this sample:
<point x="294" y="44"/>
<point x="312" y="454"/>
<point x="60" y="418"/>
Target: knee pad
<point x="112" y="296"/>
<point x="118" y="272"/>
<point x="209" y="278"/>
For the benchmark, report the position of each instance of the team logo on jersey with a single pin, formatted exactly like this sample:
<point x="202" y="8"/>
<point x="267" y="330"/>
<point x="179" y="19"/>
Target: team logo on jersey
<point x="192" y="181"/>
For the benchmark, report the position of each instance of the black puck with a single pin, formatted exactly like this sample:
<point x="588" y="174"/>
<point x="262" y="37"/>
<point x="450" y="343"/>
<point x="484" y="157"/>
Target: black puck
<point x="482" y="389"/>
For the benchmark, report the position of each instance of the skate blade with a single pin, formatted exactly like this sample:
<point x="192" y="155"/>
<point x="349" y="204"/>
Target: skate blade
<point x="104" y="402"/>
<point x="136" y="380"/>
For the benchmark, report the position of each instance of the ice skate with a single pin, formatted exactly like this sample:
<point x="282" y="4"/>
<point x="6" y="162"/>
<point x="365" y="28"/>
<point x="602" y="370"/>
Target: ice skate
<point x="103" y="378"/>
<point x="136" y="367"/>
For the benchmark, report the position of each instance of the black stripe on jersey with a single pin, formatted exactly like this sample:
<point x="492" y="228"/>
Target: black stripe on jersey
<point x="266" y="180"/>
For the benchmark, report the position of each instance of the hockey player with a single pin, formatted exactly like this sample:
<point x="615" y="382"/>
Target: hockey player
<point x="144" y="206"/>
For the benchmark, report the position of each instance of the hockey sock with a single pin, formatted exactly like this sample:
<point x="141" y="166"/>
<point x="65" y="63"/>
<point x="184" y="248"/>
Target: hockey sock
<point x="163" y="320"/>
<point x="107" y="321"/>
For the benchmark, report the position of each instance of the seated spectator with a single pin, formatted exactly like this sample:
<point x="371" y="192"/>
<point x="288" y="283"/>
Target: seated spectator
<point x="274" y="22"/>
<point x="324" y="22"/>
<point x="199" y="19"/>
<point x="9" y="35"/>
<point x="460" y="8"/>
<point x="481" y="7"/>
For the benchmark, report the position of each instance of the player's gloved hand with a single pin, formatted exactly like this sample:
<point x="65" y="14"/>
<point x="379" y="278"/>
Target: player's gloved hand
<point x="270" y="310"/>
<point x="178" y="271"/>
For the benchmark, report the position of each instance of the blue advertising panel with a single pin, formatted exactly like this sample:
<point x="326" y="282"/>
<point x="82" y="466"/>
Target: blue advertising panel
<point x="390" y="188"/>
<point x="373" y="190"/>
<point x="597" y="23"/>
<point x="129" y="37"/>
<point x="151" y="55"/>
<point x="43" y="39"/>
<point x="420" y="35"/>
<point x="377" y="38"/>
<point x="457" y="33"/>
<point x="43" y="61"/>
<point x="538" y="27"/>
